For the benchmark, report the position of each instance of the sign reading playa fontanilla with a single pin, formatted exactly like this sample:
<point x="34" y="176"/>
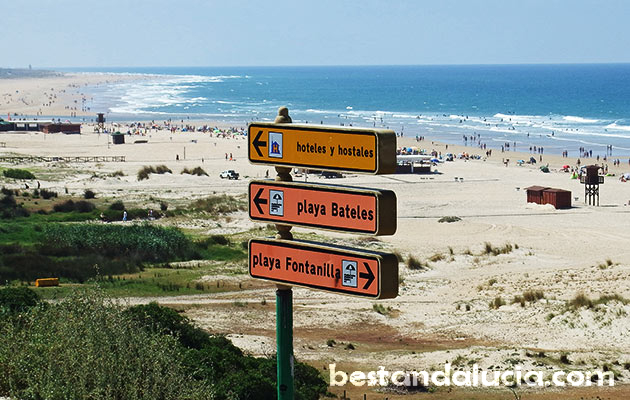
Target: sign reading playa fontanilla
<point x="340" y="208"/>
<point x="331" y="268"/>
<point x="323" y="147"/>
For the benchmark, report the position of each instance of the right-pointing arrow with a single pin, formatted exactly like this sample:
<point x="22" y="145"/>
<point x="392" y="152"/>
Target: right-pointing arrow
<point x="259" y="143"/>
<point x="258" y="201"/>
<point x="367" y="275"/>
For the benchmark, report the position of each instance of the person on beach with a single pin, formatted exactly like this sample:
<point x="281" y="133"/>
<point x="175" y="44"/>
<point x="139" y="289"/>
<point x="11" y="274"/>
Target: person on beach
<point x="124" y="216"/>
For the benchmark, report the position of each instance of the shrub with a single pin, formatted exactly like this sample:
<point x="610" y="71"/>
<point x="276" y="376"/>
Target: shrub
<point x="415" y="264"/>
<point x="168" y="321"/>
<point x="449" y="219"/>
<point x="83" y="206"/>
<point x="86" y="347"/>
<point x="17" y="299"/>
<point x="9" y="208"/>
<point x="146" y="170"/>
<point x="195" y="171"/>
<point x="436" y="257"/>
<point x="89" y="194"/>
<point x="579" y="301"/>
<point x="533" y="295"/>
<point x="16" y="173"/>
<point x="66" y="206"/>
<point x="215" y="359"/>
<point x="497" y="303"/>
<point x="117" y="205"/>
<point x="137" y="242"/>
<point x="163" y="206"/>
<point x="47" y="194"/>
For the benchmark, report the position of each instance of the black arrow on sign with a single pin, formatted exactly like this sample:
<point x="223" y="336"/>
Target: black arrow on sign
<point x="259" y="143"/>
<point x="367" y="275"/>
<point x="258" y="201"/>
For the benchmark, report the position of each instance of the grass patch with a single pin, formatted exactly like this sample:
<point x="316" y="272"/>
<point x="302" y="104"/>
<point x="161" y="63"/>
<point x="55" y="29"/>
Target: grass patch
<point x="195" y="171"/>
<point x="436" y="257"/>
<point x="16" y="173"/>
<point x="415" y="264"/>
<point x="488" y="249"/>
<point x="145" y="171"/>
<point x="497" y="303"/>
<point x="379" y="308"/>
<point x="219" y="204"/>
<point x="449" y="219"/>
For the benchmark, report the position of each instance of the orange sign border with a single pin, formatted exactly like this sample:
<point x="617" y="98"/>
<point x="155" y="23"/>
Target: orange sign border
<point x="387" y="272"/>
<point x="385" y="146"/>
<point x="385" y="213"/>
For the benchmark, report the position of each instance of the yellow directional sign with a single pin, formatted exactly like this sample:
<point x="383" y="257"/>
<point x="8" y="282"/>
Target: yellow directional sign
<point x="371" y="151"/>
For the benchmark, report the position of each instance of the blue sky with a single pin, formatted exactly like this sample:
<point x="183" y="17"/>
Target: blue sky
<point x="75" y="33"/>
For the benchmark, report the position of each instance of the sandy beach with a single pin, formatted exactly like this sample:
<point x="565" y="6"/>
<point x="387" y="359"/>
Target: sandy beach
<point x="442" y="312"/>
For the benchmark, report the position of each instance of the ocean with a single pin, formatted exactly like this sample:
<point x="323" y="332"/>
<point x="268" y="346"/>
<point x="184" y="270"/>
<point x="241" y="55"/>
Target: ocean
<point x="557" y="107"/>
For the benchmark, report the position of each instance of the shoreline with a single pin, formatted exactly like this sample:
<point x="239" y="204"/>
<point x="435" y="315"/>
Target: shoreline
<point x="67" y="97"/>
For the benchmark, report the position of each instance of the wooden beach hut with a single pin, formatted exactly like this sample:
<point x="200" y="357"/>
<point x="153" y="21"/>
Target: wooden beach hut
<point x="558" y="198"/>
<point x="535" y="194"/>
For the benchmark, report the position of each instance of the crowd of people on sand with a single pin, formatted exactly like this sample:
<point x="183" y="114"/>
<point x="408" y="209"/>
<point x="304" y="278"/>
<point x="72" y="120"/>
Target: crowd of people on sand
<point x="146" y="128"/>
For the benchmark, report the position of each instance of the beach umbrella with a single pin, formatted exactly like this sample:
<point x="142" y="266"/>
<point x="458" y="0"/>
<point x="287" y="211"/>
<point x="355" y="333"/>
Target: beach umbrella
<point x="566" y="166"/>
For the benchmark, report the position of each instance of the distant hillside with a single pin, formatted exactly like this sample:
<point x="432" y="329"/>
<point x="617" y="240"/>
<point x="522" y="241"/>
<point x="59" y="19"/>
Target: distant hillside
<point x="8" y="73"/>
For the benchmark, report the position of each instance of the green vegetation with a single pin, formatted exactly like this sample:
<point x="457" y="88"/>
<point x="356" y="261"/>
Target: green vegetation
<point x="87" y="346"/>
<point x="16" y="173"/>
<point x="415" y="264"/>
<point x="146" y="170"/>
<point x="17" y="299"/>
<point x="495" y="251"/>
<point x="45" y="193"/>
<point x="195" y="171"/>
<point x="583" y="301"/>
<point x="81" y="206"/>
<point x="77" y="252"/>
<point x="379" y="308"/>
<point x="219" y="204"/>
<point x="497" y="303"/>
<point x="436" y="257"/>
<point x="449" y="219"/>
<point x="9" y="208"/>
<point x="530" y="296"/>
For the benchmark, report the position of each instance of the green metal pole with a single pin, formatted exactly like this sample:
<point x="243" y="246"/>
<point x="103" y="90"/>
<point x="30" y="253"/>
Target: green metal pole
<point x="284" y="340"/>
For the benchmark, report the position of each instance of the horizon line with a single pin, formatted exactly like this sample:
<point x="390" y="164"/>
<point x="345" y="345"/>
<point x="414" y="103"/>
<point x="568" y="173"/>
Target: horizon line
<point x="331" y="65"/>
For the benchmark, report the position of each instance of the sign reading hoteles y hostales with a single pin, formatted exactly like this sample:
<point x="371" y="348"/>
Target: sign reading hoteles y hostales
<point x="323" y="147"/>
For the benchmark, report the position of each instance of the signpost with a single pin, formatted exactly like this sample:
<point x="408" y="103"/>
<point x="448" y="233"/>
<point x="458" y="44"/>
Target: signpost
<point x="334" y="269"/>
<point x="323" y="147"/>
<point x="338" y="208"/>
<point x="290" y="262"/>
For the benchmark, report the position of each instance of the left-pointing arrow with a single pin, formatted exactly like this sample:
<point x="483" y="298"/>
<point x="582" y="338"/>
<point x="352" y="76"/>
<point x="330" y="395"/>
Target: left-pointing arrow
<point x="259" y="143"/>
<point x="258" y="201"/>
<point x="367" y="275"/>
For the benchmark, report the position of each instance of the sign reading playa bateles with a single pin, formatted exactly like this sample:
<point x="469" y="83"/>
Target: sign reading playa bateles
<point x="322" y="147"/>
<point x="331" y="268"/>
<point x="339" y="208"/>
